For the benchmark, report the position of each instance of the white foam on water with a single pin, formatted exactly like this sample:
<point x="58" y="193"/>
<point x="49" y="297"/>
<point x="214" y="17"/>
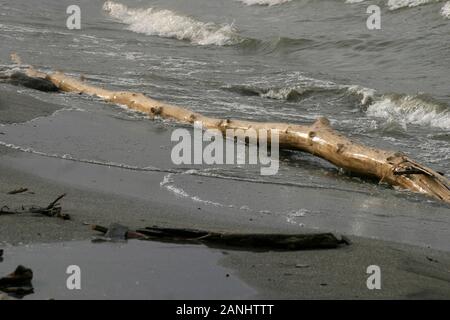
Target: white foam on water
<point x="168" y="24"/>
<point x="278" y="94"/>
<point x="367" y="95"/>
<point x="293" y="215"/>
<point x="168" y="184"/>
<point x="353" y="1"/>
<point x="410" y="110"/>
<point x="445" y="11"/>
<point x="264" y="2"/>
<point x="399" y="4"/>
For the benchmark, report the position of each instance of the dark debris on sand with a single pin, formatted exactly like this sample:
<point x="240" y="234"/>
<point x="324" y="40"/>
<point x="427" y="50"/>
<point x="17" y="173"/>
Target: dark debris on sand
<point x="54" y="209"/>
<point x="18" y="284"/>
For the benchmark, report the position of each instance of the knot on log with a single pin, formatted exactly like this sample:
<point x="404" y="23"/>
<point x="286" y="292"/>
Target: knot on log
<point x="156" y="110"/>
<point x="224" y="122"/>
<point x="340" y="148"/>
<point x="287" y="130"/>
<point x="192" y="118"/>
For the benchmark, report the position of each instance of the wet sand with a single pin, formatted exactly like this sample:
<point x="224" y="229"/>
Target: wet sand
<point x="102" y="194"/>
<point x="132" y="270"/>
<point x="407" y="272"/>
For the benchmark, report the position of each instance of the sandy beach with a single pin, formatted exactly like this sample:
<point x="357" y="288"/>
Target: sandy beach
<point x="137" y="200"/>
<point x="408" y="272"/>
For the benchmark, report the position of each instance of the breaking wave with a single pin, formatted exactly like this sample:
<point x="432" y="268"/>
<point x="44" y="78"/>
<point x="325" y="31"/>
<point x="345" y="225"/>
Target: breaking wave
<point x="403" y="109"/>
<point x="282" y="45"/>
<point x="445" y="11"/>
<point x="305" y="88"/>
<point x="406" y="109"/>
<point x="264" y="2"/>
<point x="168" y="24"/>
<point x="399" y="4"/>
<point x="366" y="95"/>
<point x="280" y="93"/>
<point x="353" y="1"/>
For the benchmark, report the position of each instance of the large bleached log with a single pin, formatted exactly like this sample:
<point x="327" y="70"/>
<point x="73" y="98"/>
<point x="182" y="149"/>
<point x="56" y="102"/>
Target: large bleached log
<point x="319" y="139"/>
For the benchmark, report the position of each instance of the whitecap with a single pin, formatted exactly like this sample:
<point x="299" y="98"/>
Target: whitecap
<point x="367" y="95"/>
<point x="411" y="110"/>
<point x="264" y="2"/>
<point x="445" y="11"/>
<point x="399" y="4"/>
<point x="353" y="1"/>
<point x="168" y="24"/>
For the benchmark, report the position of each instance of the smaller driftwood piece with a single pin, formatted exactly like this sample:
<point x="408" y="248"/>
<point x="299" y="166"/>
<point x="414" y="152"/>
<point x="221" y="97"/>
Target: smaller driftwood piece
<point x="244" y="241"/>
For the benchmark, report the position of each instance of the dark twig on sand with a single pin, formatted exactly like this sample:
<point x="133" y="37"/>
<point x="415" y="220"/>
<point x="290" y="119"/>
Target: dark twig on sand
<point x="55" y="203"/>
<point x="5" y="210"/>
<point x="17" y="191"/>
<point x="52" y="210"/>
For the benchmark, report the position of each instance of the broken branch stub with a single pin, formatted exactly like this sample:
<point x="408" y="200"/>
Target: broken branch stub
<point x="17" y="191"/>
<point x="52" y="210"/>
<point x="318" y="139"/>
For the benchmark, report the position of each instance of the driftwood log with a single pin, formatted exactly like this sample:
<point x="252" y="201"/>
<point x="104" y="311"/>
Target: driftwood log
<point x="254" y="241"/>
<point x="243" y="241"/>
<point x="319" y="138"/>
